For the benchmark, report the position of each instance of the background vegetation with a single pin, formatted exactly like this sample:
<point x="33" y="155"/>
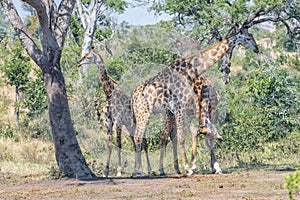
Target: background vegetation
<point x="258" y="116"/>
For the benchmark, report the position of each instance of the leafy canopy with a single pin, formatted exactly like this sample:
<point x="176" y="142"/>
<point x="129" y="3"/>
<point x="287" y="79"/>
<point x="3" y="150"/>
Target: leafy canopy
<point x="211" y="18"/>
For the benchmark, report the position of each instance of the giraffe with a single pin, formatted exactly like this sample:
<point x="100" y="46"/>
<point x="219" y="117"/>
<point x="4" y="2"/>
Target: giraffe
<point x="207" y="100"/>
<point x="116" y="111"/>
<point x="172" y="90"/>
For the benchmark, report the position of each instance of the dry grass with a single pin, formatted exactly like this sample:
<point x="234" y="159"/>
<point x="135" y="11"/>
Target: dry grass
<point x="25" y="161"/>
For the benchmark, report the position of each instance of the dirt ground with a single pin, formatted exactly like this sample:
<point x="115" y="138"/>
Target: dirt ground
<point x="245" y="185"/>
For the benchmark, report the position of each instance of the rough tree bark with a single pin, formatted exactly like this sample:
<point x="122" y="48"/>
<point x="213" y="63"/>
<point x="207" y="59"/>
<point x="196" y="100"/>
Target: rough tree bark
<point x="54" y="22"/>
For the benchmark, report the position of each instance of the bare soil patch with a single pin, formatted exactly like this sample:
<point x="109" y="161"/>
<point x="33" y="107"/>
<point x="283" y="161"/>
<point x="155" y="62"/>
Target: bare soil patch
<point x="246" y="185"/>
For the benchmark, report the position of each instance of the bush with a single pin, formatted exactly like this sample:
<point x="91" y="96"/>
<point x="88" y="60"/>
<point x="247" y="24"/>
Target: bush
<point x="8" y="132"/>
<point x="262" y="107"/>
<point x="292" y="183"/>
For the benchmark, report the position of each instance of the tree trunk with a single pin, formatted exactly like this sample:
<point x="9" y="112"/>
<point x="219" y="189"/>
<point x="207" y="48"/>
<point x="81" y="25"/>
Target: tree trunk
<point x="88" y="19"/>
<point x="68" y="154"/>
<point x="54" y="22"/>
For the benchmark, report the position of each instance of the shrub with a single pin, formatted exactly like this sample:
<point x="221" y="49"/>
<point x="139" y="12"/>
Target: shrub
<point x="8" y="132"/>
<point x="292" y="183"/>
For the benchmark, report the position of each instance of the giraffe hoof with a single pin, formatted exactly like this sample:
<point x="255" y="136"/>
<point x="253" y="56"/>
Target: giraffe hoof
<point x="105" y="174"/>
<point x="178" y="172"/>
<point x="190" y="172"/>
<point x="218" y="172"/>
<point x="138" y="174"/>
<point x="194" y="168"/>
<point x="162" y="172"/>
<point x="119" y="174"/>
<point x="217" y="169"/>
<point x="152" y="173"/>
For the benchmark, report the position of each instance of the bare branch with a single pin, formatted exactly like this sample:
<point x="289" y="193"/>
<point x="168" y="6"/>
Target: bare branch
<point x="63" y="20"/>
<point x="259" y="12"/>
<point x="15" y="20"/>
<point x="82" y="12"/>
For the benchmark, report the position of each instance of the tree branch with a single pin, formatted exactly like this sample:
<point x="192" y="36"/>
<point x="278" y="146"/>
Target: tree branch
<point x="63" y="20"/>
<point x="32" y="49"/>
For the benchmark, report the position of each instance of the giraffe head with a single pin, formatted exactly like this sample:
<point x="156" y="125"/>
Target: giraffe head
<point x="210" y="131"/>
<point x="242" y="37"/>
<point x="90" y="57"/>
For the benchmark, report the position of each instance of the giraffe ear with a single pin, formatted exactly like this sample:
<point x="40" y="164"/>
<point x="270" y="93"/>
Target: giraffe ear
<point x="234" y="30"/>
<point x="207" y="122"/>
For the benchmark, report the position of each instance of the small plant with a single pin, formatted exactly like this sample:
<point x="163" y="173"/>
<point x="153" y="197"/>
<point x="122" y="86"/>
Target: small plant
<point x="56" y="173"/>
<point x="292" y="183"/>
<point x="8" y="132"/>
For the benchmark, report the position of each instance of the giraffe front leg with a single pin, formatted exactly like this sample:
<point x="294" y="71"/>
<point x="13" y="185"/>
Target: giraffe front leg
<point x="119" y="147"/>
<point x="194" y="151"/>
<point x="194" y="131"/>
<point x="181" y="137"/>
<point x="216" y="169"/>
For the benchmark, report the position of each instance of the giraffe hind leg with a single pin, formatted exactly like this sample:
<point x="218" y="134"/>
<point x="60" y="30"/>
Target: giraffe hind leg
<point x="169" y="121"/>
<point x="145" y="147"/>
<point x="174" y="140"/>
<point x="108" y="125"/>
<point x="119" y="146"/>
<point x="138" y="140"/>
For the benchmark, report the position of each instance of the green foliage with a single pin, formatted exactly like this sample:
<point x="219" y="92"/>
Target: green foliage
<point x="293" y="62"/>
<point x="262" y="107"/>
<point x="16" y="66"/>
<point x="292" y="183"/>
<point x="56" y="173"/>
<point x="29" y="81"/>
<point x="6" y="131"/>
<point x="117" y="5"/>
<point x="275" y="97"/>
<point x="287" y="43"/>
<point x="76" y="29"/>
<point x="203" y="18"/>
<point x="116" y="68"/>
<point x="34" y="95"/>
<point x="145" y="55"/>
<point x="36" y="126"/>
<point x="102" y="34"/>
<point x="145" y="46"/>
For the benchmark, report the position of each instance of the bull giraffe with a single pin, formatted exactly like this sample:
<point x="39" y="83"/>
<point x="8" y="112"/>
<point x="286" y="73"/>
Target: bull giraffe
<point x="172" y="90"/>
<point x="207" y="100"/>
<point x="116" y="111"/>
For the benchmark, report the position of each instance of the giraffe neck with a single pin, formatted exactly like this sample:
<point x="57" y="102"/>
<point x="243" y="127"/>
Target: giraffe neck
<point x="197" y="64"/>
<point x="108" y="84"/>
<point x="209" y="57"/>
